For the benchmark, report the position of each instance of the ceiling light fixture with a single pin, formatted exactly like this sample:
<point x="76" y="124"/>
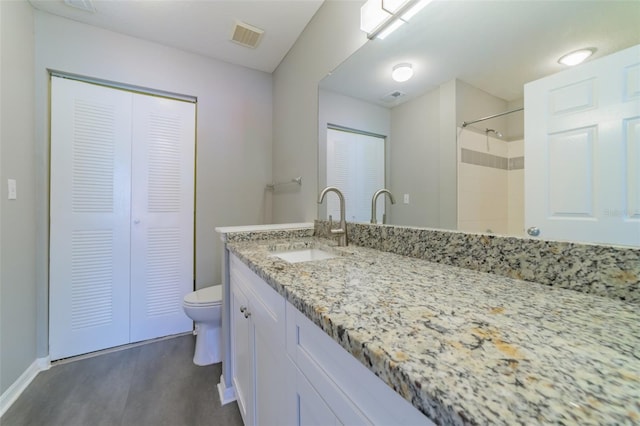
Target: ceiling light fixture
<point x="85" y="5"/>
<point x="402" y="72"/>
<point x="379" y="18"/>
<point x="577" y="57"/>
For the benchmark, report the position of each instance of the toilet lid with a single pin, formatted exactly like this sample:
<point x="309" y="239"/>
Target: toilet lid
<point x="205" y="296"/>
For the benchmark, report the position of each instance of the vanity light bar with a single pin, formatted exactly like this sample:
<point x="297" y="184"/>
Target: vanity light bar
<point x="379" y="18"/>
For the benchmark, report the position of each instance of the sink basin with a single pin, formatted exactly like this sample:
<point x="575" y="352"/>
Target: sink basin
<point x="305" y="255"/>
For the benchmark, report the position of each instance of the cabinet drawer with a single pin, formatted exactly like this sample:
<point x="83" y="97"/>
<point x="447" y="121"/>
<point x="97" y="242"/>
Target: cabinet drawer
<point x="311" y="409"/>
<point x="354" y="393"/>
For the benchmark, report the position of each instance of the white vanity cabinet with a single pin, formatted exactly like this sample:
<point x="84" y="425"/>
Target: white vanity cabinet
<point x="287" y="371"/>
<point x="257" y="342"/>
<point x="353" y="393"/>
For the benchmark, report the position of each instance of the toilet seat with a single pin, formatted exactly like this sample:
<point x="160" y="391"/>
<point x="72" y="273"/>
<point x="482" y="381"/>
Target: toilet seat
<point x="205" y="297"/>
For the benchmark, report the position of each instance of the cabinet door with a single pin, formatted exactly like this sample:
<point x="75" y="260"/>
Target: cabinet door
<point x="241" y="356"/>
<point x="312" y="410"/>
<point x="257" y="348"/>
<point x="269" y="371"/>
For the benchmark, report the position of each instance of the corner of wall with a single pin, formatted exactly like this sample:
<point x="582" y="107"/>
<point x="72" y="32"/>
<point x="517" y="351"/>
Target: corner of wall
<point x="331" y="36"/>
<point x="17" y="217"/>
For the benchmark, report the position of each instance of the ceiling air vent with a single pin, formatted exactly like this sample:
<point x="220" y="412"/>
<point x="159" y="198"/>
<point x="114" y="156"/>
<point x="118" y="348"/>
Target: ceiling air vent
<point x="85" y="5"/>
<point x="393" y="96"/>
<point x="246" y="35"/>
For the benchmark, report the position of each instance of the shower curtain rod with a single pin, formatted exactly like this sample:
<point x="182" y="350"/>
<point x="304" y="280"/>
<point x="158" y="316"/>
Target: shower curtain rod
<point x="466" y="123"/>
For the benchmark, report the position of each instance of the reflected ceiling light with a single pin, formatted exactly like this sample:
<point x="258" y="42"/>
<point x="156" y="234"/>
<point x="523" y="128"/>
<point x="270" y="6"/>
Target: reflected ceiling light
<point x="413" y="10"/>
<point x="389" y="29"/>
<point x="372" y="15"/>
<point x="402" y="72"/>
<point x="379" y="18"/>
<point x="577" y="57"/>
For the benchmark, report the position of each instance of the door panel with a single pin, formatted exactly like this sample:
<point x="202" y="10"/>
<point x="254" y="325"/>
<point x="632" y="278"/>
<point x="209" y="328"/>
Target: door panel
<point x="90" y="203"/>
<point x="162" y="216"/>
<point x="632" y="139"/>
<point x="571" y="189"/>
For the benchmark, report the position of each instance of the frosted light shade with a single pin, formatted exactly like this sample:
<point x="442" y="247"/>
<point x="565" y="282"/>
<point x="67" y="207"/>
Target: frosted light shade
<point x="413" y="10"/>
<point x="577" y="57"/>
<point x="402" y="72"/>
<point x="391" y="28"/>
<point x="393" y="5"/>
<point x="372" y="15"/>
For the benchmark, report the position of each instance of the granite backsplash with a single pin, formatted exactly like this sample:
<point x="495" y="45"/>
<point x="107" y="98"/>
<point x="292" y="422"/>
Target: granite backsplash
<point x="601" y="270"/>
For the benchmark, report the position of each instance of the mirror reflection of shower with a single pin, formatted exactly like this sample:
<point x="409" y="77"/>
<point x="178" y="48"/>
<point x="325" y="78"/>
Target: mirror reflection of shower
<point x="495" y="132"/>
<point x="491" y="175"/>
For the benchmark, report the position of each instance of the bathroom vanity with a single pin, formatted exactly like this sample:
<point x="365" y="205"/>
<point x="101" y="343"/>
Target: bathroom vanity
<point x="372" y="337"/>
<point x="286" y="371"/>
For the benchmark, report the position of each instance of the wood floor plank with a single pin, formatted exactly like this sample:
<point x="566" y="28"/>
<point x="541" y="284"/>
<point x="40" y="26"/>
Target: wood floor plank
<point x="153" y="384"/>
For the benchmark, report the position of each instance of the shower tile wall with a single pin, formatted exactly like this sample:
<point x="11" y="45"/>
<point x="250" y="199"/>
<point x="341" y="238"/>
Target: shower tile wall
<point x="515" y="188"/>
<point x="490" y="184"/>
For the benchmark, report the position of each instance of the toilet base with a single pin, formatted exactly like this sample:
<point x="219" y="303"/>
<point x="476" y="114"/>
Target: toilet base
<point x="208" y="344"/>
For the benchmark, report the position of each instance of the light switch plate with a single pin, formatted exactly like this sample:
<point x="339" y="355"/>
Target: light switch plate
<point x="406" y="198"/>
<point x="11" y="186"/>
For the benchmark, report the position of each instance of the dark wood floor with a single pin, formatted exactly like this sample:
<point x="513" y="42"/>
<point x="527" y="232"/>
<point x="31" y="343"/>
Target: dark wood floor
<point x="153" y="384"/>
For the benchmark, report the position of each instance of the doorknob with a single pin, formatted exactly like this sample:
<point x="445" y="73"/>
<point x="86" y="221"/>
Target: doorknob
<point x="136" y="221"/>
<point x="533" y="231"/>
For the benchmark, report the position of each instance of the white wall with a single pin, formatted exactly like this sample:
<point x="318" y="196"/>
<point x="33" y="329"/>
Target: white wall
<point x="515" y="121"/>
<point x="473" y="103"/>
<point x="415" y="159"/>
<point x="17" y="217"/>
<point x="234" y="128"/>
<point x="330" y="37"/>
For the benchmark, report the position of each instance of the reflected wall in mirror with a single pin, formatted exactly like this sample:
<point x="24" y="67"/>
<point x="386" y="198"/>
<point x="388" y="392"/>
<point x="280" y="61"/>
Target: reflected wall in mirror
<point x="471" y="59"/>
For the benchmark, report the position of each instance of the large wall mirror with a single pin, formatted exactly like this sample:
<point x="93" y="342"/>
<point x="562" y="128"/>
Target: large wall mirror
<point x="447" y="166"/>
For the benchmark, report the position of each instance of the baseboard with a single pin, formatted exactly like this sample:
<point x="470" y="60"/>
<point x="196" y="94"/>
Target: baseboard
<point x="226" y="394"/>
<point x="9" y="396"/>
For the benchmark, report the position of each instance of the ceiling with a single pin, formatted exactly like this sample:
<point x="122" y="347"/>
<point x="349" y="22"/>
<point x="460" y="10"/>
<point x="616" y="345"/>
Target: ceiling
<point x="200" y="26"/>
<point x="496" y="46"/>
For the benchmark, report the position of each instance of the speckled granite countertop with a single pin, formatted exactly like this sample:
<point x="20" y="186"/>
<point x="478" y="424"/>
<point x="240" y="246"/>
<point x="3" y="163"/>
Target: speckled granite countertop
<point x="467" y="347"/>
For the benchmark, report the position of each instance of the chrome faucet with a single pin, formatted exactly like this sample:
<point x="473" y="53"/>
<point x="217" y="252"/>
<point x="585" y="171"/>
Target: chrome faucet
<point x="375" y="199"/>
<point x="342" y="231"/>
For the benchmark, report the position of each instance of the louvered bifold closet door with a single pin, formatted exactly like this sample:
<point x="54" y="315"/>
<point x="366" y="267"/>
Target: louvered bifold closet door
<point x="162" y="216"/>
<point x="90" y="225"/>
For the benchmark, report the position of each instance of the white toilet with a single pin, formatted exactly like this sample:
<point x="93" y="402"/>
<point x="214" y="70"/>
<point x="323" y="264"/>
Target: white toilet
<point x="204" y="307"/>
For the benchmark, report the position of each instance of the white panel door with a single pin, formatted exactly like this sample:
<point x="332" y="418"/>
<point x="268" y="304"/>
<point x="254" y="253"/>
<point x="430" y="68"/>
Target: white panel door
<point x="162" y="215"/>
<point x="90" y="205"/>
<point x="582" y="150"/>
<point x="355" y="165"/>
